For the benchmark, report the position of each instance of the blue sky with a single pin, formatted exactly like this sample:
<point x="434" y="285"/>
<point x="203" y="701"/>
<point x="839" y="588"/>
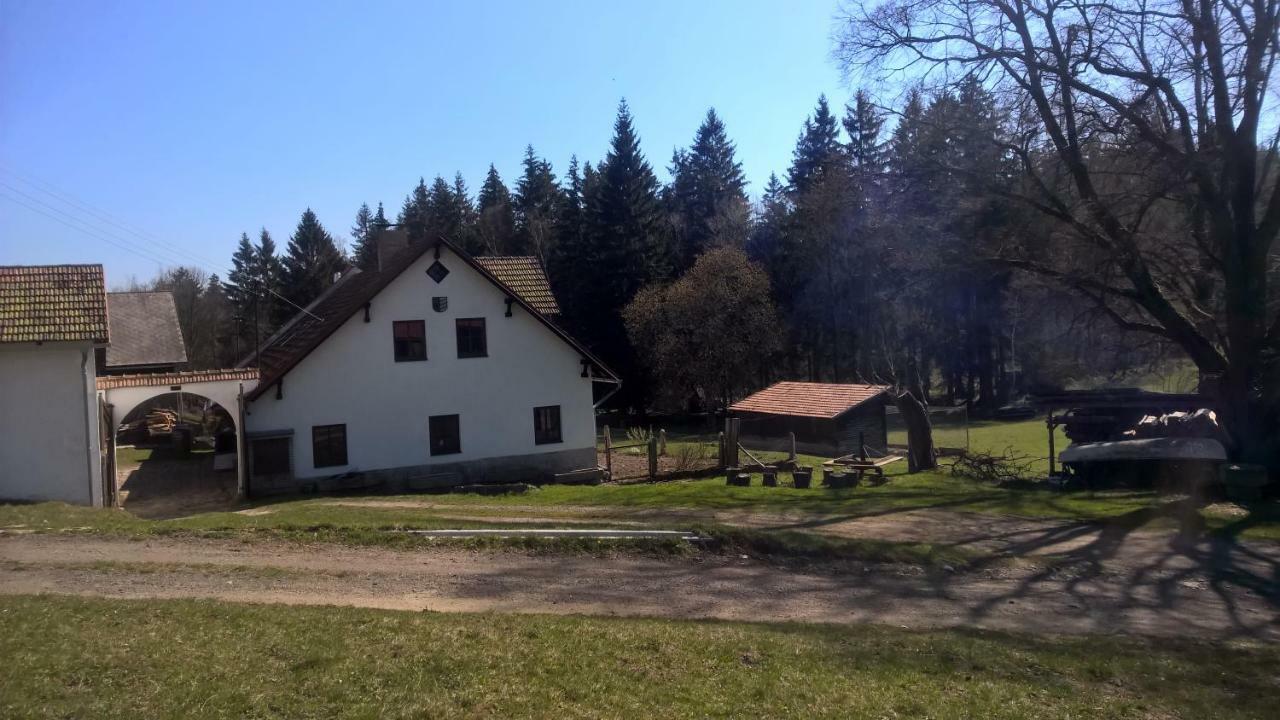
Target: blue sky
<point x="170" y="128"/>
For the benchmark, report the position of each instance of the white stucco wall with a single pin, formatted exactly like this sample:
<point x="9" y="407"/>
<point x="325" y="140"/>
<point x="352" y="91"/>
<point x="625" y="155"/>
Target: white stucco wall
<point x="48" y="442"/>
<point x="353" y="379"/>
<point x="223" y="392"/>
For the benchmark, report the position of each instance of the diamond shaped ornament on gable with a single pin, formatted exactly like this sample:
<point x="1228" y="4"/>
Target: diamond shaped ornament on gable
<point x="437" y="271"/>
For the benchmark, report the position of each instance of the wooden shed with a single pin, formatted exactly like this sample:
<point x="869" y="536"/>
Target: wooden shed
<point x="827" y="418"/>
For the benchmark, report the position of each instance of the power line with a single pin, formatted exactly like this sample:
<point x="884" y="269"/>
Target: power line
<point x="97" y="233"/>
<point x="98" y="213"/>
<point x="90" y="233"/>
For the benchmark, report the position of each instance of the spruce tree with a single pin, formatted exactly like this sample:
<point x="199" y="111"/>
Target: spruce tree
<point x="465" y="210"/>
<point x="818" y="149"/>
<point x="243" y="283"/>
<point x="495" y="226"/>
<point x="311" y="261"/>
<point x="563" y="266"/>
<point x="272" y="311"/>
<point x="863" y="123"/>
<point x="364" y="252"/>
<point x="625" y="249"/>
<point x="707" y="194"/>
<point x="413" y="214"/>
<point x="536" y="201"/>
<point x="444" y="214"/>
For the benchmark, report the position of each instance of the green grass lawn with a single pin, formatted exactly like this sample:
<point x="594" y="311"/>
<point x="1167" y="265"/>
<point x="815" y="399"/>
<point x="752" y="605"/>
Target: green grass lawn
<point x="200" y="659"/>
<point x="321" y="519"/>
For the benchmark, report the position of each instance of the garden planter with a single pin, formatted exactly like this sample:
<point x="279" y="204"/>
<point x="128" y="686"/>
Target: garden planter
<point x="803" y="477"/>
<point x="771" y="478"/>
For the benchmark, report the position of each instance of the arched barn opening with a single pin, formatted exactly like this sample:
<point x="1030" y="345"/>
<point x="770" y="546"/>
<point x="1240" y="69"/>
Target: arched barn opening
<point x="172" y="445"/>
<point x="175" y="452"/>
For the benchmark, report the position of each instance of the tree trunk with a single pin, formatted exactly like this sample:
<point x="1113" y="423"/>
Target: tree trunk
<point x="920" y="454"/>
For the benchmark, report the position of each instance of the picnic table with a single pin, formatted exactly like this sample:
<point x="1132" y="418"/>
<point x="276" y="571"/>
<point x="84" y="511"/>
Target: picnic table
<point x="862" y="464"/>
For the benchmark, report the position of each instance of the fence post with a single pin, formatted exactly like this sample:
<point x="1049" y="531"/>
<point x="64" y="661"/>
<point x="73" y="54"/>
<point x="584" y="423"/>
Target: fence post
<point x="653" y="457"/>
<point x="723" y="462"/>
<point x="662" y="442"/>
<point x="791" y="438"/>
<point x="608" y="452"/>
<point x="735" y="427"/>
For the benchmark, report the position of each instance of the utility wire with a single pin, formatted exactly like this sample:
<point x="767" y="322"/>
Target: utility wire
<point x="97" y="232"/>
<point x="97" y="213"/>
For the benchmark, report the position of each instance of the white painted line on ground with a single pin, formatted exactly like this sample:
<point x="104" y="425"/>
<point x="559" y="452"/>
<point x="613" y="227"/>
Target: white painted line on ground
<point x="603" y="533"/>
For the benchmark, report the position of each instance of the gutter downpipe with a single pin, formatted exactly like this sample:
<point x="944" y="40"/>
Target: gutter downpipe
<point x="242" y="473"/>
<point x="88" y="422"/>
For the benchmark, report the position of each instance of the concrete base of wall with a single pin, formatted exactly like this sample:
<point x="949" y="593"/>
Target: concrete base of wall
<point x="536" y="468"/>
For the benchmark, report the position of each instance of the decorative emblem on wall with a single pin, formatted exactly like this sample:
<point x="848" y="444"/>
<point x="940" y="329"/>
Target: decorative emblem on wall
<point x="439" y="304"/>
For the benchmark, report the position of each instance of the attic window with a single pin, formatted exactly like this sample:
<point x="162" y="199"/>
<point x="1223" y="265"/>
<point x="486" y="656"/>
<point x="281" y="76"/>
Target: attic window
<point x="437" y="271"/>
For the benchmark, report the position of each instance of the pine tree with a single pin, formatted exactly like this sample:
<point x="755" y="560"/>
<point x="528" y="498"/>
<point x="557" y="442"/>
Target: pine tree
<point x="625" y="215"/>
<point x="562" y="263"/>
<point x="863" y="123"/>
<point x="444" y="216"/>
<point x="364" y="252"/>
<point x="625" y="247"/>
<point x="707" y="194"/>
<point x="818" y="150"/>
<point x="467" y="217"/>
<point x="537" y="199"/>
<point x="495" y="226"/>
<point x="243" y="283"/>
<point x="272" y="311"/>
<point x="413" y="214"/>
<point x="311" y="261"/>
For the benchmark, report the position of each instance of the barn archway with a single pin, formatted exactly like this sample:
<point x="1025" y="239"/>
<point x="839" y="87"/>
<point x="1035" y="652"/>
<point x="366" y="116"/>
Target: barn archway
<point x="177" y="439"/>
<point x="175" y="454"/>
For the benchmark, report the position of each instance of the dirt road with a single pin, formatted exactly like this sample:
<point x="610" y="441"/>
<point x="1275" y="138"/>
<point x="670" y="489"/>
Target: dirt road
<point x="1175" y="595"/>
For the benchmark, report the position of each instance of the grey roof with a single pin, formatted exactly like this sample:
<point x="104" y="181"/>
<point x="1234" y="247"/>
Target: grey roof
<point x="144" y="329"/>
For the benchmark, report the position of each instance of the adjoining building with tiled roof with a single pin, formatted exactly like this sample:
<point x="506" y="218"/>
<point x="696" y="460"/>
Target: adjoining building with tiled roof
<point x="827" y="418"/>
<point x="145" y="334"/>
<point x="52" y="303"/>
<point x="433" y="368"/>
<point x="52" y="320"/>
<point x="526" y="276"/>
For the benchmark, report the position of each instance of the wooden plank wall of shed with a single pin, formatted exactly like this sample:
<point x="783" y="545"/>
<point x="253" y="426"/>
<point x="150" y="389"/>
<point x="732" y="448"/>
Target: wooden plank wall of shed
<point x="868" y="419"/>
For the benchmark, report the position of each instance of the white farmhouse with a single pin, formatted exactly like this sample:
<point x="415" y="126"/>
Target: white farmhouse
<point x="52" y="320"/>
<point x="435" y="369"/>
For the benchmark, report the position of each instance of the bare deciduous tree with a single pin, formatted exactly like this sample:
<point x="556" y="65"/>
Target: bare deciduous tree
<point x="1146" y="130"/>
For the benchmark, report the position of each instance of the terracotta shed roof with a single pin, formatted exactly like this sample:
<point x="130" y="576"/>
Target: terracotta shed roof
<point x="524" y="275"/>
<point x="53" y="303"/>
<point x="144" y="329"/>
<point x="820" y="400"/>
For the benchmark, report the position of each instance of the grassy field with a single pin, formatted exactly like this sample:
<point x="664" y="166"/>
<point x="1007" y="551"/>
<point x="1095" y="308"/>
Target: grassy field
<point x="322" y="519"/>
<point x="199" y="659"/>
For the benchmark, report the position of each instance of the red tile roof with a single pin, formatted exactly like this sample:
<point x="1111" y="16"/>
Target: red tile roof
<point x="820" y="400"/>
<point x="106" y="382"/>
<point x="52" y="303"/>
<point x="524" y="275"/>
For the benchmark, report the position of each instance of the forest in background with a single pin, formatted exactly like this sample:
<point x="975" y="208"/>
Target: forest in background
<point x="870" y="260"/>
<point x="1069" y="192"/>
